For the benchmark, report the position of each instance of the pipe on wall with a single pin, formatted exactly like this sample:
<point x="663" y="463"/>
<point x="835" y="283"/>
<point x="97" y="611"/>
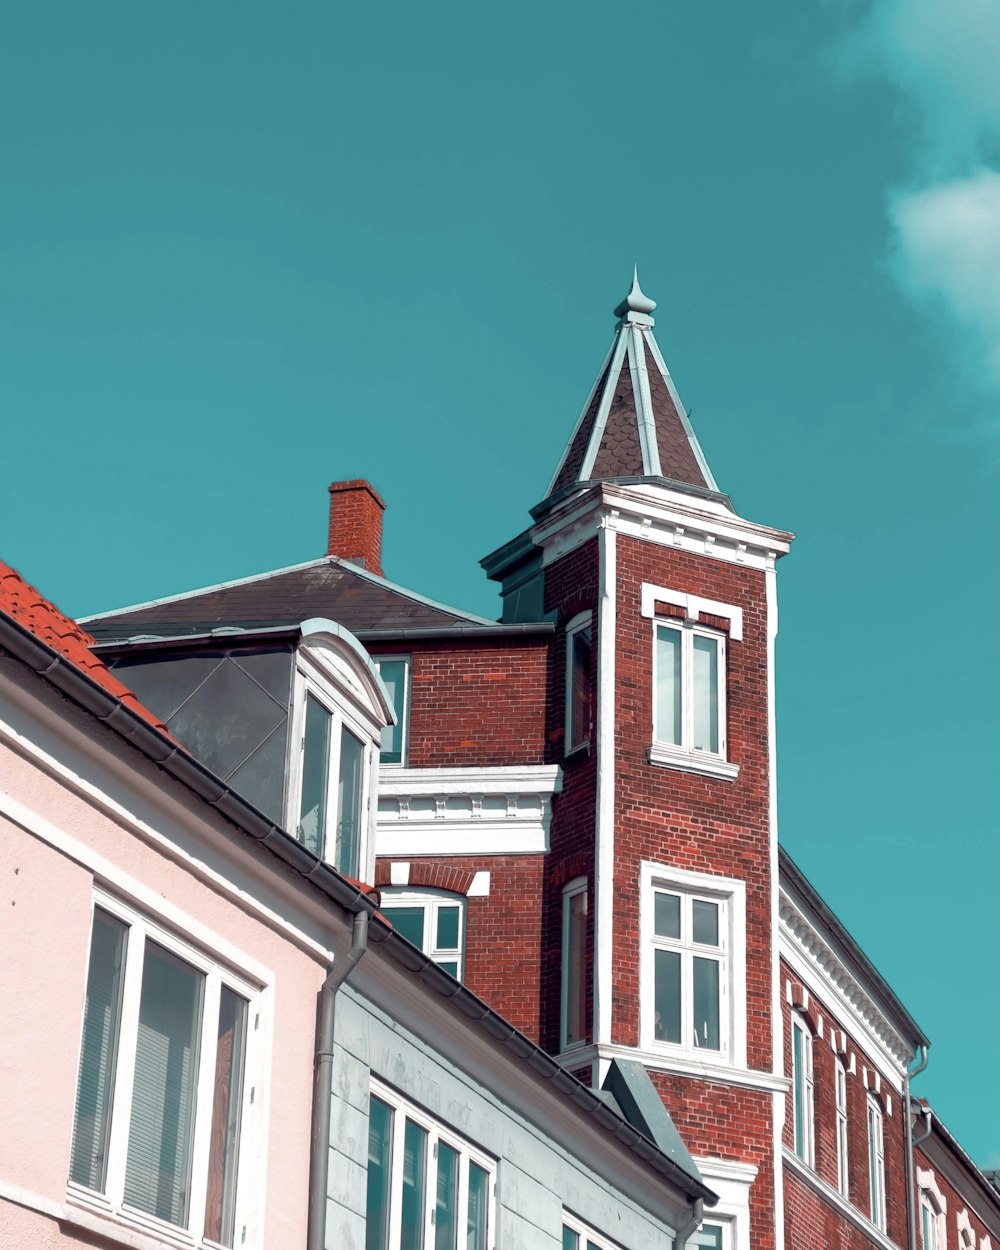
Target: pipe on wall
<point x="682" y="1234"/>
<point x="911" y="1198"/>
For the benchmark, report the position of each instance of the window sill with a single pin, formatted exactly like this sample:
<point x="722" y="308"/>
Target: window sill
<point x="687" y="762"/>
<point x="835" y="1199"/>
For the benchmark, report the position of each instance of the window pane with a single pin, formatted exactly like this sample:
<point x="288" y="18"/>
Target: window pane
<point x="409" y="921"/>
<point x="667" y="918"/>
<point x="315" y="765"/>
<point x="450" y="966"/>
<point x="446" y="1210"/>
<point x="447" y="928"/>
<point x="706" y="694"/>
<point x="710" y="1237"/>
<point x="799" y="1090"/>
<point x="379" y="1161"/>
<point x="705" y="922"/>
<point x="667" y="996"/>
<point x="571" y="1240"/>
<point x="479" y="1208"/>
<point x="98" y="1051"/>
<point x="706" y="1003"/>
<point x="352" y="757"/>
<point x="668" y="685"/>
<point x="581" y="687"/>
<point x="393" y="674"/>
<point x="227" y="1107"/>
<point x="414" y="1186"/>
<point x="576" y="968"/>
<point x="161" y="1130"/>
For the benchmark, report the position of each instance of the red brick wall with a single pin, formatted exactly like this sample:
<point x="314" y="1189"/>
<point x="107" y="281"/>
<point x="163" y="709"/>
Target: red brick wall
<point x="978" y="1208"/>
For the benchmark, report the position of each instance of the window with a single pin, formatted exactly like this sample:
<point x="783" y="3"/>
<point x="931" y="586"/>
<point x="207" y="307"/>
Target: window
<point x="395" y="674"/>
<point x="876" y="1165"/>
<point x="434" y="923"/>
<point x="427" y="1188"/>
<point x="689" y="712"/>
<point x="693" y="964"/>
<point x="802" y="1090"/>
<point x="840" y="1096"/>
<point x="579" y="1236"/>
<point x="928" y="1224"/>
<point x="574" y="964"/>
<point x="933" y="1216"/>
<point x="330" y="775"/>
<point x="161" y="1102"/>
<point x="579" y="681"/>
<point x="712" y="1236"/>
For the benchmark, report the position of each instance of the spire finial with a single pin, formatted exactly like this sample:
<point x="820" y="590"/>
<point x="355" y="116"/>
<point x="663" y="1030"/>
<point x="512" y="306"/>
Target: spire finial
<point x="636" y="301"/>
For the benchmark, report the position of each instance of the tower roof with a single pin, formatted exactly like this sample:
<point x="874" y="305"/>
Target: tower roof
<point x="633" y="424"/>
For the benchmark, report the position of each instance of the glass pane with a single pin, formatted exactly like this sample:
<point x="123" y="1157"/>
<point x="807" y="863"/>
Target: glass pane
<point x="409" y="921"/>
<point x="798" y="1091"/>
<point x="98" y="1052"/>
<point x="667" y="917"/>
<point x="227" y="1108"/>
<point x="446" y="1209"/>
<point x="161" y="1130"/>
<point x="705" y="922"/>
<point x="706" y="1003"/>
<point x="576" y="969"/>
<point x="393" y="674"/>
<point x="668" y="685"/>
<point x="667" y="996"/>
<point x="479" y="1208"/>
<point x="571" y="1240"/>
<point x="581" y="688"/>
<point x="710" y="1237"/>
<point x="352" y="758"/>
<point x="450" y="966"/>
<point x="315" y="765"/>
<point x="379" y="1161"/>
<point x="706" y="694"/>
<point x="414" y="1186"/>
<point x="447" y="928"/>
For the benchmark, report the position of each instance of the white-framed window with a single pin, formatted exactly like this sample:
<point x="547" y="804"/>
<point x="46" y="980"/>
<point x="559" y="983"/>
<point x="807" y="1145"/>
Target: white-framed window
<point x="694" y="964"/>
<point x="395" y="673"/>
<point x="331" y="771"/>
<point x="840" y="1100"/>
<point x="933" y="1214"/>
<point x="876" y="1165"/>
<point x="433" y="921"/>
<point x="714" y="1235"/>
<point x="573" y="1013"/>
<point x="579" y="681"/>
<point x="803" y="1119"/>
<point x="579" y="1236"/>
<point x="163" y="1102"/>
<point x="689" y="689"/>
<point x="427" y="1187"/>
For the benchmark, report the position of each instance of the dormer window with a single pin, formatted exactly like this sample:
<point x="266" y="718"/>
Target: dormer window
<point x="333" y="767"/>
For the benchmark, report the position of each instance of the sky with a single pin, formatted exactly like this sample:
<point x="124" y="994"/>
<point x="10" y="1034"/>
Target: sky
<point x="248" y="249"/>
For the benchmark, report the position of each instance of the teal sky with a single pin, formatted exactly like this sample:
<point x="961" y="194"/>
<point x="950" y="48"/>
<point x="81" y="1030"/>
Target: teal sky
<point x="248" y="249"/>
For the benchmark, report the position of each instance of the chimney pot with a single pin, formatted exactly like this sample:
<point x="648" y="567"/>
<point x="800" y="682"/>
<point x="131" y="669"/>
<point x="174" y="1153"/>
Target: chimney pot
<point x="356" y="524"/>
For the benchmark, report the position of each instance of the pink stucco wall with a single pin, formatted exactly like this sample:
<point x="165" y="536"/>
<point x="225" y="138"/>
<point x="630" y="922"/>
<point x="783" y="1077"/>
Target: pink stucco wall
<point x="45" y="899"/>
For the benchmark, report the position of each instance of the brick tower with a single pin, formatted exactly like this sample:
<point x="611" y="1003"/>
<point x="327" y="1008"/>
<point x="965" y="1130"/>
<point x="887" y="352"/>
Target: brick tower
<point x="661" y="878"/>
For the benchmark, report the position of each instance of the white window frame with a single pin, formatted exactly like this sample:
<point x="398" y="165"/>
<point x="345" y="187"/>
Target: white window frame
<point x="584" y="620"/>
<point x="840" y="1102"/>
<point x="431" y="901"/>
<point x="437" y="1132"/>
<point x="876" y="1163"/>
<point x="110" y="1200"/>
<point x="803" y="1092"/>
<point x="402" y="714"/>
<point x="311" y="680"/>
<point x="933" y="1206"/>
<point x="713" y="1221"/>
<point x="573" y="889"/>
<point x="730" y="894"/>
<point x="587" y="1236"/>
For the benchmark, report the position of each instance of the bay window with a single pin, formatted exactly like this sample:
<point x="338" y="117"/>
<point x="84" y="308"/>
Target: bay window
<point x="161" y="1105"/>
<point x="427" y="1188"/>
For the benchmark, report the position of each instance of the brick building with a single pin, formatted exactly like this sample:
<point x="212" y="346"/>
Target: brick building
<point x="576" y="815"/>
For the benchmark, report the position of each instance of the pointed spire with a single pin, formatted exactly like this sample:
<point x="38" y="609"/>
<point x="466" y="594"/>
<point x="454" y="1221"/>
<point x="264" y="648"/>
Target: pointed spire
<point x="634" y="424"/>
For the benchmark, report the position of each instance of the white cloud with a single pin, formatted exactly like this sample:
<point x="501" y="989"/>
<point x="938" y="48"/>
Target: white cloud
<point x="947" y="254"/>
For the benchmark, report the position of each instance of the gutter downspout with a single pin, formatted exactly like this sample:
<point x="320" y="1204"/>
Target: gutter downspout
<point x="911" y="1205"/>
<point x="319" y="1142"/>
<point x="682" y="1234"/>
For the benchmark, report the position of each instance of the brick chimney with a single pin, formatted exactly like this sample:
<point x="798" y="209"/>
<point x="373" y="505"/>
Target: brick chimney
<point x="356" y="524"/>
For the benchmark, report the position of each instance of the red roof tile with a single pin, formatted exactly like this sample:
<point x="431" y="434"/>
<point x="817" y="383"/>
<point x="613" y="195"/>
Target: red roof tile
<point x="21" y="601"/>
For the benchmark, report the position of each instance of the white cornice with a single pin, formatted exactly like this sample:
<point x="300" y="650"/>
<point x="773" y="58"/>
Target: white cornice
<point x="825" y="974"/>
<point x="466" y="811"/>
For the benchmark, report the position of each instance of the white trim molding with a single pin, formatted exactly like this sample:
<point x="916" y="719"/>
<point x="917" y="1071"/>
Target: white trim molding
<point x="693" y="605"/>
<point x="465" y="811"/>
<point x="732" y="1182"/>
<point x="835" y="1200"/>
